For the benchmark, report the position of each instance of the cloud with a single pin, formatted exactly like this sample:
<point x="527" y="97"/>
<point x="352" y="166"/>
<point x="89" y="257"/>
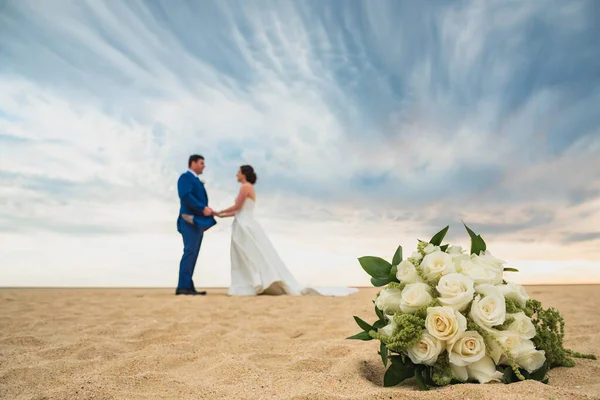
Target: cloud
<point x="581" y="237"/>
<point x="396" y="117"/>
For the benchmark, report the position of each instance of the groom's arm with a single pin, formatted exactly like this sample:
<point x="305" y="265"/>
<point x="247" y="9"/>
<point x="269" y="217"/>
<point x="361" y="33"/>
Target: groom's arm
<point x="184" y="189"/>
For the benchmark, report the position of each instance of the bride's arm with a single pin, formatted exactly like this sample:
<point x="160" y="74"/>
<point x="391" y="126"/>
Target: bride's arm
<point x="239" y="201"/>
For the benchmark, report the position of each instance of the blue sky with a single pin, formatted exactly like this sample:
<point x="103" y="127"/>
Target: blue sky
<point x="369" y="123"/>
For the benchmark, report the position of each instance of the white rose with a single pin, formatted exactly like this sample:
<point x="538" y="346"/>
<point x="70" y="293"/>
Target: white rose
<point x="436" y="264"/>
<point x="522" y="325"/>
<point x="466" y="348"/>
<point x="454" y="250"/>
<point x="489" y="259"/>
<point x="458" y="259"/>
<point x="484" y="371"/>
<point x="515" y="344"/>
<point x="444" y="323"/>
<point x="456" y="291"/>
<point x="388" y="330"/>
<point x="531" y="360"/>
<point x="430" y="248"/>
<point x="480" y="273"/>
<point x="489" y="310"/>
<point x="415" y="296"/>
<point x="426" y="350"/>
<point x="416" y="256"/>
<point x="459" y="373"/>
<point x="514" y="292"/>
<point x="389" y="300"/>
<point x="494" y="350"/>
<point x="407" y="273"/>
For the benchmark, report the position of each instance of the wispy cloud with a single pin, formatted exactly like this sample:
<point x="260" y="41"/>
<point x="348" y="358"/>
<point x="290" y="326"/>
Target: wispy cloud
<point x="361" y="118"/>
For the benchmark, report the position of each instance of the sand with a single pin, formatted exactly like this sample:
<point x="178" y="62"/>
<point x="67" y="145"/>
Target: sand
<point x="150" y="344"/>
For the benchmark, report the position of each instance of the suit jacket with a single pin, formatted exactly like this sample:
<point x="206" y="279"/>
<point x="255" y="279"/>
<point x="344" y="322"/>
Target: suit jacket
<point x="193" y="199"/>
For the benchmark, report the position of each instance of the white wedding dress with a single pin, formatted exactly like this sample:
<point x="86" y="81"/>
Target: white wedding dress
<point x="256" y="268"/>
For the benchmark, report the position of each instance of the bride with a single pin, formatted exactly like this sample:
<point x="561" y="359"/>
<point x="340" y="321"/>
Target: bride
<point x="256" y="267"/>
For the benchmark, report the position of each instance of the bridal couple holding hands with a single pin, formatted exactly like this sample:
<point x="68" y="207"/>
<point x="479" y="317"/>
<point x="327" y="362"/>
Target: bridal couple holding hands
<point x="256" y="267"/>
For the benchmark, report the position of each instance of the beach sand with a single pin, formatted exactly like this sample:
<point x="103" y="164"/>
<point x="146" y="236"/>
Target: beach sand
<point x="150" y="344"/>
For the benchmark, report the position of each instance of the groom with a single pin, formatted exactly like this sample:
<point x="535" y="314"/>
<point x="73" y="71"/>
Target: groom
<point x="193" y="200"/>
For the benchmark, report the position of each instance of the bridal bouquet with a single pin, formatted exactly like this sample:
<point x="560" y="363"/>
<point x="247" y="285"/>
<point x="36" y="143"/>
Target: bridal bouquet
<point x="447" y="316"/>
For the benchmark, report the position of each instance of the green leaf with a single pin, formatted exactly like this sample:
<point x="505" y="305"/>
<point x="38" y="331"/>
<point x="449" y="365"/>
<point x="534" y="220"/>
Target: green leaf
<point x="469" y="231"/>
<point x="477" y="243"/>
<point x="436" y="240"/>
<point x="361" y="336"/>
<point x="420" y="379"/>
<point x="509" y="375"/>
<point x="427" y="376"/>
<point x="379" y="313"/>
<point x="379" y="324"/>
<point x="375" y="266"/>
<point x="383" y="351"/>
<point x="511" y="269"/>
<point x="444" y="247"/>
<point x="364" y="326"/>
<point x="398" y="360"/>
<point x="397" y="256"/>
<point x="379" y="282"/>
<point x="393" y="273"/>
<point x="540" y="373"/>
<point x="395" y="374"/>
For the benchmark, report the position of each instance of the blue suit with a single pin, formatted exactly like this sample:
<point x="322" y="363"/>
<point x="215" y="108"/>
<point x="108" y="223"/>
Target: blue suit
<point x="193" y="199"/>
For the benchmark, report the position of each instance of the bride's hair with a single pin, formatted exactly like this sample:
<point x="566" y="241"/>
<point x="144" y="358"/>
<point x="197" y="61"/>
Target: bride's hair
<point x="249" y="173"/>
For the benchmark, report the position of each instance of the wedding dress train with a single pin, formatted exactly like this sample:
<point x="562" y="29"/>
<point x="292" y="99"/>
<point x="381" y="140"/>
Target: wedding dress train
<point x="256" y="267"/>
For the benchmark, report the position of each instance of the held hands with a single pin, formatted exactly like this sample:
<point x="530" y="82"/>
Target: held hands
<point x="220" y="214"/>
<point x="209" y="211"/>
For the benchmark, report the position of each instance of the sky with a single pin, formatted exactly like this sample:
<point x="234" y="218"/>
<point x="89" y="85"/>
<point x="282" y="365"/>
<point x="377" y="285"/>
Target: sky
<point x="370" y="124"/>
